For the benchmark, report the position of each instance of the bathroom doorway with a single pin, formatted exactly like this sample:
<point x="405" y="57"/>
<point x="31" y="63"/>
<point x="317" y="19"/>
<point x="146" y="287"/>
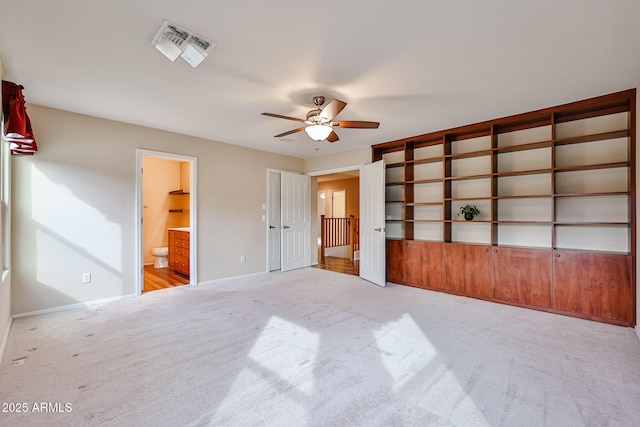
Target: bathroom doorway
<point x="166" y="212"/>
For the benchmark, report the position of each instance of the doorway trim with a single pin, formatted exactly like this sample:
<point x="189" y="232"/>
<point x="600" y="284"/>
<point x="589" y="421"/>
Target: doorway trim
<point x="193" y="163"/>
<point x="336" y="170"/>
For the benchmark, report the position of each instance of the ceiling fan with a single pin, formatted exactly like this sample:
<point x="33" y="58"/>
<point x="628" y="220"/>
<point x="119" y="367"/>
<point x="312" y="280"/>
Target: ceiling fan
<point x="319" y="122"/>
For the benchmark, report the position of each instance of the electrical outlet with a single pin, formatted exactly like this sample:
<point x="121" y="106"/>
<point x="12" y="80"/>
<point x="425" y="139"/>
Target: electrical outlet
<point x="86" y="278"/>
<point x="243" y="258"/>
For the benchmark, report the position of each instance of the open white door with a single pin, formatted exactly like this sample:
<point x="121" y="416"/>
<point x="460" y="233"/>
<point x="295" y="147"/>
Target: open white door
<point x="372" y="223"/>
<point x="296" y="221"/>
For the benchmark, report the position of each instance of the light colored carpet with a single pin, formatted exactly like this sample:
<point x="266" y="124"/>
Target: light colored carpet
<point x="316" y="348"/>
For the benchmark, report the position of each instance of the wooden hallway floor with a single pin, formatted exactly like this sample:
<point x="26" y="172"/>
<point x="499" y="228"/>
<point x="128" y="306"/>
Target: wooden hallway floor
<point x="339" y="265"/>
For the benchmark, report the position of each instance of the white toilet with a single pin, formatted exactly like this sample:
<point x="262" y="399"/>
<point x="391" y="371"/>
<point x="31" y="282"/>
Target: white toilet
<point x="161" y="257"/>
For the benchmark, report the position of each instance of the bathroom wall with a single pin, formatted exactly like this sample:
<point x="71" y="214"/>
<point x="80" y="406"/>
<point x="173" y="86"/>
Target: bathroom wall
<point x="160" y="177"/>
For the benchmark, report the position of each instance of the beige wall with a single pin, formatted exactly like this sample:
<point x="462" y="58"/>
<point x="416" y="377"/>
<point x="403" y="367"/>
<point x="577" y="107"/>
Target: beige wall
<point x="359" y="156"/>
<point x="160" y="177"/>
<point x="5" y="285"/>
<point x="74" y="208"/>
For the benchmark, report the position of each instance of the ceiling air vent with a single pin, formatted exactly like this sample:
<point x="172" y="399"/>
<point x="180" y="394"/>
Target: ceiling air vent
<point x="174" y="41"/>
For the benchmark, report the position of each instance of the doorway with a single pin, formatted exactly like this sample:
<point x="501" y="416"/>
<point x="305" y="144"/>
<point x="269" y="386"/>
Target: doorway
<point x="371" y="190"/>
<point x="166" y="200"/>
<point x="337" y="213"/>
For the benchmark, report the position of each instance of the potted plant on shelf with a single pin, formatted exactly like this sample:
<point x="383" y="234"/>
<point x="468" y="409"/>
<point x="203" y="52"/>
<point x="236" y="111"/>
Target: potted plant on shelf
<point x="469" y="211"/>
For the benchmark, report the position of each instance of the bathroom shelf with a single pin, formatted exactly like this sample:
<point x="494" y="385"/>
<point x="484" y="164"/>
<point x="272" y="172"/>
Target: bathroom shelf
<point x="176" y="210"/>
<point x="178" y="192"/>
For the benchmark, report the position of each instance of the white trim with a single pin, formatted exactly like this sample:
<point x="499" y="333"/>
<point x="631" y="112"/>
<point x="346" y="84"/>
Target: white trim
<point x="336" y="170"/>
<point x="72" y="306"/>
<point x="193" y="223"/>
<point x="637" y="329"/>
<point x="235" y="278"/>
<point x="5" y="339"/>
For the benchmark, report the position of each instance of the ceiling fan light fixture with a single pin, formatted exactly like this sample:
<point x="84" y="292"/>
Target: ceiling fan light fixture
<point x="318" y="132"/>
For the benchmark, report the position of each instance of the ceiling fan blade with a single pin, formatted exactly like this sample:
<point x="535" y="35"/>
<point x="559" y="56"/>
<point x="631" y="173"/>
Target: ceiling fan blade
<point x="333" y="137"/>
<point x="278" y="116"/>
<point x="332" y="109"/>
<point x="288" y="133"/>
<point x="357" y="124"/>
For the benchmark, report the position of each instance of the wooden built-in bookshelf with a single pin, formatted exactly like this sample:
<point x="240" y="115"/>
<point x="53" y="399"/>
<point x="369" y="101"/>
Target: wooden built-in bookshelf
<point x="556" y="193"/>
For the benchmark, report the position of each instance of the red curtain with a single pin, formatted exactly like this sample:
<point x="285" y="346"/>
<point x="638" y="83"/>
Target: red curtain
<point x="17" y="126"/>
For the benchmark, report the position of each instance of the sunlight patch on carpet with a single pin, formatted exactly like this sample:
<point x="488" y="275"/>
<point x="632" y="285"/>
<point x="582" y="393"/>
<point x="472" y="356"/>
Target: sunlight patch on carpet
<point x="288" y="352"/>
<point x="404" y="349"/>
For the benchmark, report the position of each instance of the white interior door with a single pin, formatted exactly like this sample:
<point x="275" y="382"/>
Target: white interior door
<point x="338" y="204"/>
<point x="273" y="215"/>
<point x="296" y="220"/>
<point x="372" y="223"/>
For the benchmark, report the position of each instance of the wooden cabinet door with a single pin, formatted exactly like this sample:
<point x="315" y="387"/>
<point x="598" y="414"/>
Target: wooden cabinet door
<point x="594" y="284"/>
<point x="423" y="264"/>
<point x="467" y="269"/>
<point x="522" y="275"/>
<point x="395" y="261"/>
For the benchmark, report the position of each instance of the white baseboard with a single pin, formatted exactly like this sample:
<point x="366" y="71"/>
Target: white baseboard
<point x="72" y="306"/>
<point x="233" y="278"/>
<point x="5" y="339"/>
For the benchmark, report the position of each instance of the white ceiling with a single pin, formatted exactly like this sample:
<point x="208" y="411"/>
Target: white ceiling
<point x="415" y="66"/>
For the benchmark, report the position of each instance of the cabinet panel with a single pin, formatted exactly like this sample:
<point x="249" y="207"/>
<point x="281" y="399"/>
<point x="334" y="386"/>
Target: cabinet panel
<point x="467" y="269"/>
<point x="423" y="264"/>
<point x="179" y="251"/>
<point x="522" y="275"/>
<point x="593" y="284"/>
<point x="395" y="261"/>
